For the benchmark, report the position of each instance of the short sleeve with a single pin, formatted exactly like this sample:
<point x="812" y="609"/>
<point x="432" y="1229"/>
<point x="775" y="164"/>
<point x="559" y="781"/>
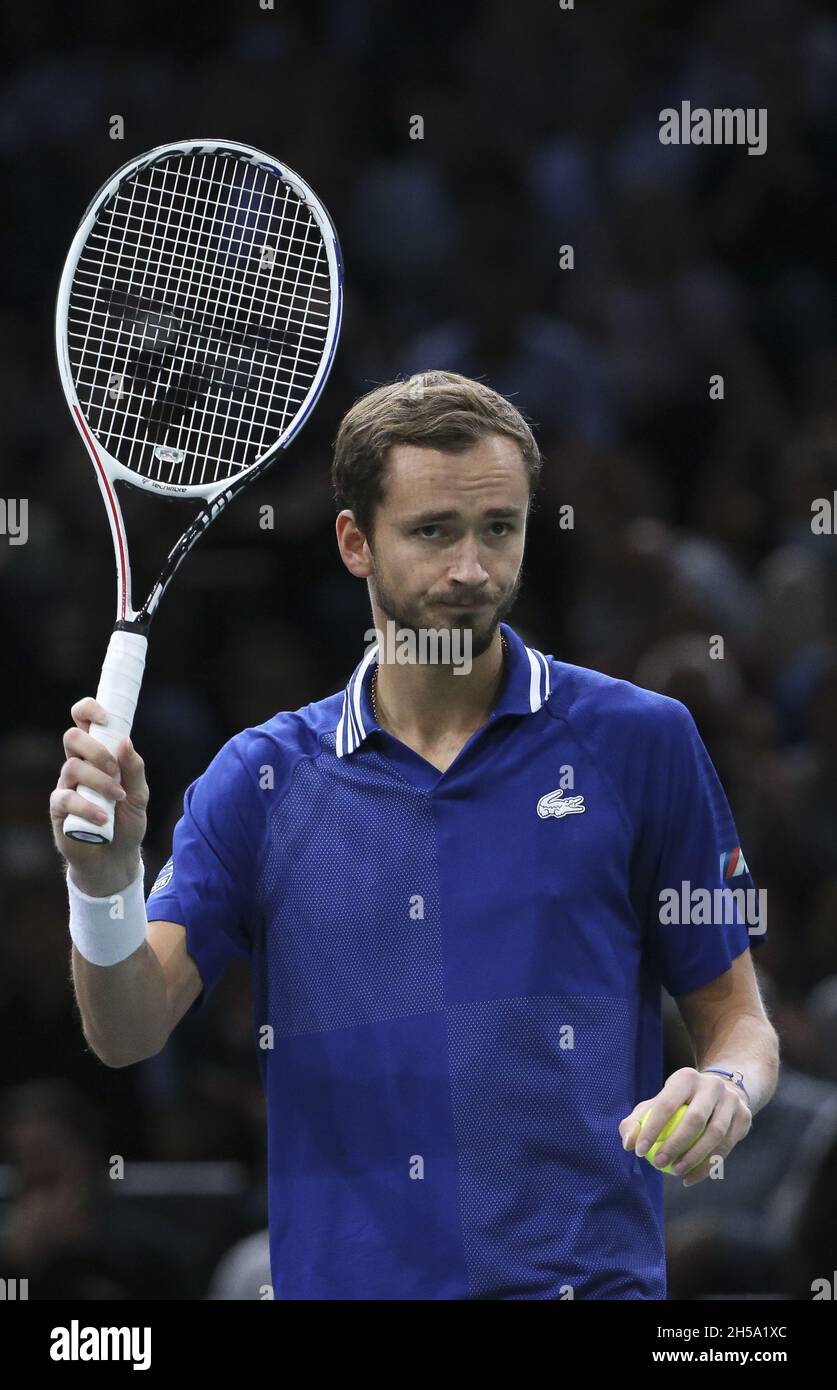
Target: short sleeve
<point x="207" y="884"/>
<point x="699" y="900"/>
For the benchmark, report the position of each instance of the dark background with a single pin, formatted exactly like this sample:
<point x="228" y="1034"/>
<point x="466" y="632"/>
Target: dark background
<point x="692" y="516"/>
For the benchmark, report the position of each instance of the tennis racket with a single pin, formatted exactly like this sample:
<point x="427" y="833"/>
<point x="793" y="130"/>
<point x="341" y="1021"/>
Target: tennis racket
<point x="197" y="320"/>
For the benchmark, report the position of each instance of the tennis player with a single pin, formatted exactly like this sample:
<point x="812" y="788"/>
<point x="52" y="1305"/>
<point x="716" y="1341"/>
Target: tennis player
<point x="454" y="887"/>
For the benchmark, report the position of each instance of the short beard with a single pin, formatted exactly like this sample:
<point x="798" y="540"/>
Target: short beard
<point x="404" y="620"/>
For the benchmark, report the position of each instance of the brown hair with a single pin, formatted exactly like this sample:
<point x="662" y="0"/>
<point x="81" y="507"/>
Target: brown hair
<point x="441" y="410"/>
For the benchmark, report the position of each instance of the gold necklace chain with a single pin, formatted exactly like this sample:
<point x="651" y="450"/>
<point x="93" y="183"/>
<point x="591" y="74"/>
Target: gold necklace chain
<point x="375" y="679"/>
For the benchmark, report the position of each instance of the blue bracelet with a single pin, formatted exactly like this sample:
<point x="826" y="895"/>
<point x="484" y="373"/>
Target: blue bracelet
<point x="736" y="1077"/>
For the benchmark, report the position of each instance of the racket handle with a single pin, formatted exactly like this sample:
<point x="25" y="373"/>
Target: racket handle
<point x="118" y="692"/>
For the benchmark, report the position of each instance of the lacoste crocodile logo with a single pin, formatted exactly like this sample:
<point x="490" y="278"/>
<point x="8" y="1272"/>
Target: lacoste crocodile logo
<point x="556" y="804"/>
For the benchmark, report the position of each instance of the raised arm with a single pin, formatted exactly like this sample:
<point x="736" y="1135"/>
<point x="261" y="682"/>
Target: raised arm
<point x="133" y="980"/>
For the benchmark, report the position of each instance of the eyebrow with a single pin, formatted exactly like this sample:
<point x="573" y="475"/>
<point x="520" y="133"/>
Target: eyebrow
<point x="491" y="513"/>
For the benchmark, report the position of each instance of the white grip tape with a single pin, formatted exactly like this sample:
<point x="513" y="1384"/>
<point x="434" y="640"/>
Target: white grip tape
<point x="120" y="681"/>
<point x="118" y="692"/>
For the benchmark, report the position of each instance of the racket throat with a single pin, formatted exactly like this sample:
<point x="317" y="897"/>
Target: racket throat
<point x="139" y="626"/>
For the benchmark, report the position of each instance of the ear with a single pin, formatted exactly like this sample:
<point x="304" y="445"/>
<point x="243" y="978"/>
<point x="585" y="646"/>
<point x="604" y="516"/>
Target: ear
<point x="353" y="546"/>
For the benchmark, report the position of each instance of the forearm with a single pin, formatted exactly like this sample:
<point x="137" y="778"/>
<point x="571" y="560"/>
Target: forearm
<point x="124" y="1007"/>
<point x="748" y="1044"/>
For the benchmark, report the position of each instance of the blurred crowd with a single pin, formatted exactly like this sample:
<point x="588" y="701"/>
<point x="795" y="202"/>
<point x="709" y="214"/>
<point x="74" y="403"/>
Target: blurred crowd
<point x="692" y="516"/>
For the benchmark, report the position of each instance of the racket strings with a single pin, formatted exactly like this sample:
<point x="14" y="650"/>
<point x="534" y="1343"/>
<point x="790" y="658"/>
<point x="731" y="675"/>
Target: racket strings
<point x="198" y="317"/>
<point x="195" y="379"/>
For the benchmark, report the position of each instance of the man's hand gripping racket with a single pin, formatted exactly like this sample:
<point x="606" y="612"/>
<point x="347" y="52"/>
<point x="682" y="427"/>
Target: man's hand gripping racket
<point x="197" y="319"/>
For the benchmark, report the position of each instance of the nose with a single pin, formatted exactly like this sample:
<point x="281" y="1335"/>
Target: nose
<point x="466" y="569"/>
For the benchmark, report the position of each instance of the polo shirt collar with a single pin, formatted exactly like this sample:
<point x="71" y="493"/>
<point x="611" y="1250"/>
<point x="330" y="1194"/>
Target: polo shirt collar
<point x="524" y="689"/>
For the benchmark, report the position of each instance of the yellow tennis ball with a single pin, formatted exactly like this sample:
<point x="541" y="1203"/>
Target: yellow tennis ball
<point x="664" y="1133"/>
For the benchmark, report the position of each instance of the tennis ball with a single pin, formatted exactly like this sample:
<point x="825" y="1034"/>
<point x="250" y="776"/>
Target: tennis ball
<point x="664" y="1133"/>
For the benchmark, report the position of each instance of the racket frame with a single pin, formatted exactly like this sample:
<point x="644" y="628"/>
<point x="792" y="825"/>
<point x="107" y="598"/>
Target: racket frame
<point x="109" y="470"/>
<point x="123" y="668"/>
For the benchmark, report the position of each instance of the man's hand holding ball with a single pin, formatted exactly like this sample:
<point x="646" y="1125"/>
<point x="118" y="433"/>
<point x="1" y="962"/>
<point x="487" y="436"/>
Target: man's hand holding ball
<point x="696" y="1117"/>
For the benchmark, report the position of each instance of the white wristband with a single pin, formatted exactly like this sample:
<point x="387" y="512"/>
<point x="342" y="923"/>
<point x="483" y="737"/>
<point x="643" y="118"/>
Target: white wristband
<point x="108" y="930"/>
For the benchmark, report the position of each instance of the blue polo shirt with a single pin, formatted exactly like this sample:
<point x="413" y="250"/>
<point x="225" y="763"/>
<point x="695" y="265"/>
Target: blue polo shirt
<point x="457" y="977"/>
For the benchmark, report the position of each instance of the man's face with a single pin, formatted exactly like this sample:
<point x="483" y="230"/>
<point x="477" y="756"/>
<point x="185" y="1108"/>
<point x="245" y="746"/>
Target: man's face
<point x="448" y="540"/>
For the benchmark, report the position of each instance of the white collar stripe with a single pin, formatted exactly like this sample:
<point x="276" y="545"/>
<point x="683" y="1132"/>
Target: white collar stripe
<point x="353" y="706"/>
<point x="534" y="680"/>
<point x="545" y="665"/>
<point x="355" y="709"/>
<point x="341" y="727"/>
<point x="352" y="740"/>
<point x="338" y="735"/>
